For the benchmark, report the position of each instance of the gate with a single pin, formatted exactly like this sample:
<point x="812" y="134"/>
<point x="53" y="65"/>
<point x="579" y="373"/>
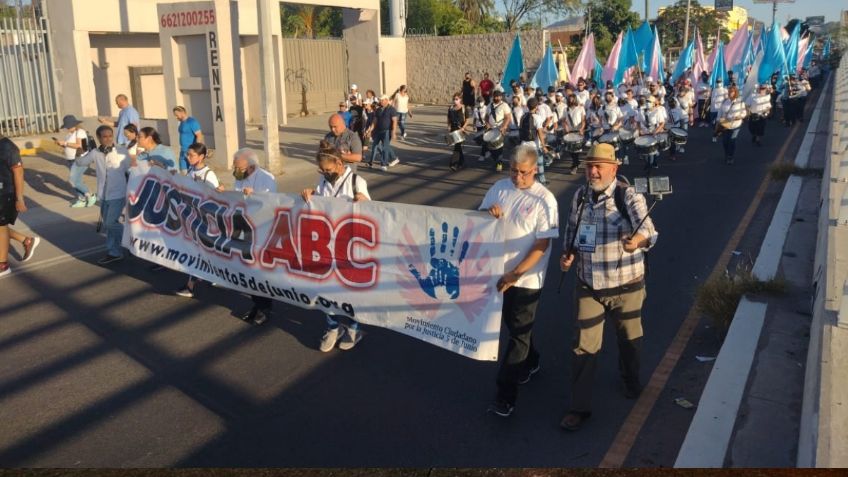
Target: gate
<point x="316" y="76"/>
<point x="27" y="84"/>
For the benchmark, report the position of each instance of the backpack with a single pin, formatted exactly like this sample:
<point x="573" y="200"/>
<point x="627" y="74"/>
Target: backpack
<point x="524" y="127"/>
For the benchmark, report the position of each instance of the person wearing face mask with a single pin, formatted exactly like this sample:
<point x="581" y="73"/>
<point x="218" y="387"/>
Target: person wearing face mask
<point x="112" y="164"/>
<point x="655" y="118"/>
<point x="340" y="182"/>
<point x="251" y="179"/>
<point x="582" y="93"/>
<point x="199" y="172"/>
<point x="456" y="121"/>
<point x="498" y="117"/>
<point x="574" y="121"/>
<point x="601" y="238"/>
<point x="730" y="116"/>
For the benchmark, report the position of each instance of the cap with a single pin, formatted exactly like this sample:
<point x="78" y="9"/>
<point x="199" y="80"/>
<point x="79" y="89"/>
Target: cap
<point x="353" y="86"/>
<point x="559" y="94"/>
<point x="602" y="154"/>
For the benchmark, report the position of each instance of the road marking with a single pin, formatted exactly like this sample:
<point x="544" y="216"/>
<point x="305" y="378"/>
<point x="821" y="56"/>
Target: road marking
<point x="626" y="437"/>
<point x="50" y="262"/>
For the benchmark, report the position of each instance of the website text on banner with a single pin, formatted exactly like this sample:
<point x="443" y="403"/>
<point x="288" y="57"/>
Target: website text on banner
<point x="426" y="272"/>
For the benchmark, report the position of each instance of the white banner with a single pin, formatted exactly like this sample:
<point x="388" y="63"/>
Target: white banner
<point x="427" y="272"/>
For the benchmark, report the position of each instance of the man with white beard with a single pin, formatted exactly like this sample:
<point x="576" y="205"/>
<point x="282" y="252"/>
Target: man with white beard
<point x="610" y="260"/>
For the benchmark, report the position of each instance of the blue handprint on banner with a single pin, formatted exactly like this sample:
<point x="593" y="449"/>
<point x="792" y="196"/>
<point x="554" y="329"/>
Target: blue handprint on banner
<point x="444" y="266"/>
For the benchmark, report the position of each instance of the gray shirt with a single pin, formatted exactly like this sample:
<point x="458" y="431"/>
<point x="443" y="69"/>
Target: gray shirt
<point x="348" y="141"/>
<point x="111" y="169"/>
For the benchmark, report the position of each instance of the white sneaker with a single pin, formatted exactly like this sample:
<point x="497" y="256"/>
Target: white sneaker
<point x="404" y="135"/>
<point x="81" y="202"/>
<point x="350" y="338"/>
<point x="715" y="139"/>
<point x="331" y="336"/>
<point x="384" y="168"/>
<point x="682" y="150"/>
<point x="394" y="163"/>
<point x="92" y="199"/>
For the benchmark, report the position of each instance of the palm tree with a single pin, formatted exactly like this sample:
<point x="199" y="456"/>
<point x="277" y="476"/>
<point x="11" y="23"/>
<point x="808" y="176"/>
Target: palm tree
<point x="475" y="10"/>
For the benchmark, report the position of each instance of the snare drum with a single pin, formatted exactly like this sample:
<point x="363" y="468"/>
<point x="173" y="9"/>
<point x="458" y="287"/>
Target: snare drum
<point x="573" y="142"/>
<point x="610" y="138"/>
<point x="663" y="143"/>
<point x="454" y="137"/>
<point x="679" y="136"/>
<point x="626" y="136"/>
<point x="494" y="139"/>
<point x="645" y="145"/>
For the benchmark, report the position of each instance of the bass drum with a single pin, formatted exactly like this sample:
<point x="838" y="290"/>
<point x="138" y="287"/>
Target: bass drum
<point x="494" y="139"/>
<point x="645" y="145"/>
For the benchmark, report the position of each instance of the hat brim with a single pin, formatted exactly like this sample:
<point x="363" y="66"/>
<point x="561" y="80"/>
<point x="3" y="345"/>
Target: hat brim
<point x="601" y="160"/>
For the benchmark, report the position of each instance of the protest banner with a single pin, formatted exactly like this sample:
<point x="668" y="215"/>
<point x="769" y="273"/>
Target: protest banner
<point x="427" y="272"/>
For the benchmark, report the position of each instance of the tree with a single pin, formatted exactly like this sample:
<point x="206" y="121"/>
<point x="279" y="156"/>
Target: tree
<point x="308" y="21"/>
<point x="475" y="10"/>
<point x="672" y="23"/>
<point x="516" y="11"/>
<point x="609" y="17"/>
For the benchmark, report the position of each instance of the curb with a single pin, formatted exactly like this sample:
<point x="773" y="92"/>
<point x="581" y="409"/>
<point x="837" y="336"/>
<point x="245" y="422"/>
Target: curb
<point x="708" y="438"/>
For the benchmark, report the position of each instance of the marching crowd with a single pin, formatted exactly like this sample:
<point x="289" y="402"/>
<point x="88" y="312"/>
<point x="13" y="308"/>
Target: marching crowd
<point x="608" y="230"/>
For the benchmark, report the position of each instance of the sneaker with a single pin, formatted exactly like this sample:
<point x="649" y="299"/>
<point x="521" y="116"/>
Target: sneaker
<point x="626" y="160"/>
<point x="107" y="259"/>
<point x="534" y="370"/>
<point x="185" y="292"/>
<point x="4" y="269"/>
<point x="574" y="420"/>
<point x="394" y="163"/>
<point x="350" y="338"/>
<point x="715" y="139"/>
<point x="80" y="203"/>
<point x="501" y="408"/>
<point x="261" y="317"/>
<point x="481" y="159"/>
<point x="682" y="150"/>
<point x="250" y="315"/>
<point x="384" y="168"/>
<point x="30" y="243"/>
<point x="92" y="199"/>
<point x="331" y="336"/>
<point x="404" y="135"/>
<point x="499" y="167"/>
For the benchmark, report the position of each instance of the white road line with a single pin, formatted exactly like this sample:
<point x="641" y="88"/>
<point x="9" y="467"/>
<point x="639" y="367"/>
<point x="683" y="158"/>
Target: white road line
<point x="50" y="262"/>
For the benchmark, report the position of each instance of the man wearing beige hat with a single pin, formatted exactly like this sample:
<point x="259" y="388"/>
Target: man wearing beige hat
<point x="610" y="259"/>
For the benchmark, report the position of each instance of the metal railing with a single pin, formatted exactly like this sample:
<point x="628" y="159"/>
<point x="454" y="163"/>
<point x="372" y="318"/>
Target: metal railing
<point x="28" y="103"/>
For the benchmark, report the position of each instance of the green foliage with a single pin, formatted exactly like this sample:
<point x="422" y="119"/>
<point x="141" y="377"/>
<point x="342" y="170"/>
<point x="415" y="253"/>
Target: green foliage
<point x="308" y="21"/>
<point x="609" y="17"/>
<point x="719" y="297"/>
<point x="521" y="13"/>
<point x="672" y="24"/>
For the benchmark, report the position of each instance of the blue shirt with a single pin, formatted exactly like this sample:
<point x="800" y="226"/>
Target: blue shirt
<point x="346" y="116"/>
<point x="187" y="129"/>
<point x="160" y="153"/>
<point x="128" y="115"/>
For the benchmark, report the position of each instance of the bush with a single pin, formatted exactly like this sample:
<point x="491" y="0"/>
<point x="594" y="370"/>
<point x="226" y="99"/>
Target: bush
<point x="718" y="298"/>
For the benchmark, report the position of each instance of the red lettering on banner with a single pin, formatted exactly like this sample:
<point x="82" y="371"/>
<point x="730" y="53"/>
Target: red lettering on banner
<point x="317" y="248"/>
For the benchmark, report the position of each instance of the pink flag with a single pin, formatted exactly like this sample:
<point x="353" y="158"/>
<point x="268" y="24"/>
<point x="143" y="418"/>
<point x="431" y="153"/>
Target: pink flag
<point x="711" y="59"/>
<point x="584" y="66"/>
<point x="654" y="67"/>
<point x="700" y="63"/>
<point x="612" y="62"/>
<point x="802" y="52"/>
<point x="733" y="51"/>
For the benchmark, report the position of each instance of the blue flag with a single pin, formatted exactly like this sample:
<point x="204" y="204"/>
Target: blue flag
<point x="644" y="38"/>
<point x="627" y="57"/>
<point x="808" y="56"/>
<point x="514" y="64"/>
<point x="741" y="69"/>
<point x="686" y="60"/>
<point x="792" y="50"/>
<point x="774" y="57"/>
<point x="546" y="75"/>
<point x="826" y="49"/>
<point x="719" y="70"/>
<point x="598" y="75"/>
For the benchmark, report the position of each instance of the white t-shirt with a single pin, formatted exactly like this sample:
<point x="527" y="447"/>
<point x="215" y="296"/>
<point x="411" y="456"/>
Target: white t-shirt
<point x="204" y="175"/>
<point x="517" y="113"/>
<point x="612" y="113"/>
<point x="78" y="135"/>
<point x="260" y="181"/>
<point x="343" y="188"/>
<point x="583" y="98"/>
<point x="678" y="117"/>
<point x="496" y="115"/>
<point x="759" y="103"/>
<point x="732" y="111"/>
<point x="576" y="115"/>
<point x="402" y="103"/>
<point x="719" y="94"/>
<point x="529" y="214"/>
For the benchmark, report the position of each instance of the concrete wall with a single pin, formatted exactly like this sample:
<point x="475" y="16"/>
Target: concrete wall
<point x="362" y="35"/>
<point x="392" y="63"/>
<point x="435" y="65"/>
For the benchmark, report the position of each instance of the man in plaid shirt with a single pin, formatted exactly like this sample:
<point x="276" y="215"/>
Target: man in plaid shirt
<point x="610" y="275"/>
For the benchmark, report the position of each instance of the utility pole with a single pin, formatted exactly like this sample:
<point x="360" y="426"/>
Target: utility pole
<point x="589" y="18"/>
<point x="773" y="10"/>
<point x="268" y="93"/>
<point x="646" y="10"/>
<point x="686" y="28"/>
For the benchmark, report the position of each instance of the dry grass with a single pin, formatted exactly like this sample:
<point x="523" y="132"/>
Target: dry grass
<point x="719" y="298"/>
<point x="780" y="171"/>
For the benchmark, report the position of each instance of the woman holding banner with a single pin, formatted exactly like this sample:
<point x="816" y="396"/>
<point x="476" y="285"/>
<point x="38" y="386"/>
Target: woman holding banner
<point x="198" y="171"/>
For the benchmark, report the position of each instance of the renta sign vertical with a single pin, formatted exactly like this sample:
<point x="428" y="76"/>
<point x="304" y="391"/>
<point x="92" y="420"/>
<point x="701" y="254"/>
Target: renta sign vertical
<point x="427" y="272"/>
<point x="215" y="76"/>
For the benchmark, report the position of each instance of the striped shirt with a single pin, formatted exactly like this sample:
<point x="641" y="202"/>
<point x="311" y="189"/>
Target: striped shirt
<point x="759" y="103"/>
<point x="733" y="111"/>
<point x="609" y="266"/>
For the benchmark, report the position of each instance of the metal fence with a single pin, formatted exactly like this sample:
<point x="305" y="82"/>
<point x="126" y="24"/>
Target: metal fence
<point x="316" y="75"/>
<point x="27" y="82"/>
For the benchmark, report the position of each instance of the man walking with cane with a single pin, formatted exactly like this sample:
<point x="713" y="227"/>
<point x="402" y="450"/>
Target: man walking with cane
<point x="608" y="233"/>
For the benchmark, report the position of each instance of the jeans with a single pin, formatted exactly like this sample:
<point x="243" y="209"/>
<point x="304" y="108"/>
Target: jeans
<point x="333" y="323"/>
<point x="402" y="123"/>
<point x="381" y="138"/>
<point x="729" y="141"/>
<point x="540" y="165"/>
<point x="110" y="211"/>
<point x="519" y="314"/>
<point x="75" y="178"/>
<point x="183" y="162"/>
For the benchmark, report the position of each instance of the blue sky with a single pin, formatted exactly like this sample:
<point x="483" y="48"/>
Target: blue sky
<point x="762" y="12"/>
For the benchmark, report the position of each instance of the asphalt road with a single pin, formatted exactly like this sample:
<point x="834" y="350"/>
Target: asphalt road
<point x="106" y="367"/>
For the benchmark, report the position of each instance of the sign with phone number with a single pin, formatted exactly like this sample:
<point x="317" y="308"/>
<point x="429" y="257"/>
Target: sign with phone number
<point x="187" y="19"/>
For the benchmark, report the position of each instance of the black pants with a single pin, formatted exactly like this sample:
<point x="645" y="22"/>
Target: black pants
<point x="458" y="157"/>
<point x="757" y="127"/>
<point x="261" y="302"/>
<point x="519" y="314"/>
